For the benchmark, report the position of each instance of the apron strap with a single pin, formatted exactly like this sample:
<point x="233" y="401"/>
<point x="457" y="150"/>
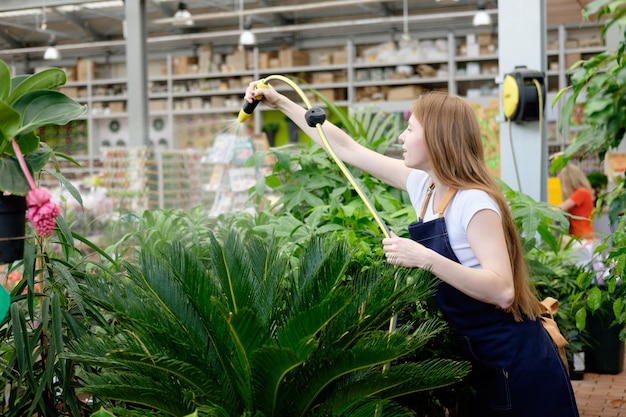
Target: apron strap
<point x="441" y="207"/>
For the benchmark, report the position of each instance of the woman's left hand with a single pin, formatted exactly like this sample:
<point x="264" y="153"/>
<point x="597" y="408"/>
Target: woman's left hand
<point x="404" y="252"/>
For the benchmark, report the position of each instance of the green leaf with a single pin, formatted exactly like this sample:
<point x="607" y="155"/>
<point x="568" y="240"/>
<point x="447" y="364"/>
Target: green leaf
<point x="12" y="179"/>
<point x="47" y="79"/>
<point x="581" y="319"/>
<point x="5" y="301"/>
<point x="102" y="413"/>
<point x="5" y="81"/>
<point x="594" y="300"/>
<point x="9" y="125"/>
<point x="44" y="107"/>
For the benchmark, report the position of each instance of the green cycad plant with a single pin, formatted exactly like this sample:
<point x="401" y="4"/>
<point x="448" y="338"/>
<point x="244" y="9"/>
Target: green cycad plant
<point x="251" y="331"/>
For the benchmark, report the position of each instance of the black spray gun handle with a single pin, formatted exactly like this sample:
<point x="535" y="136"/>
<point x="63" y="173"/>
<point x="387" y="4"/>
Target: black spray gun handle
<point x="248" y="108"/>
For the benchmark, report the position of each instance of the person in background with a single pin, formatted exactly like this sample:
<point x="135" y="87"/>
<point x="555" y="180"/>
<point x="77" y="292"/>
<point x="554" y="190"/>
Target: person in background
<point x="467" y="237"/>
<point x="577" y="201"/>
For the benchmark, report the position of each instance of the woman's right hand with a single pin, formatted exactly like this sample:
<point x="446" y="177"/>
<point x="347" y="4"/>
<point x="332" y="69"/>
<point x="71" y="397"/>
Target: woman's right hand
<point x="267" y="95"/>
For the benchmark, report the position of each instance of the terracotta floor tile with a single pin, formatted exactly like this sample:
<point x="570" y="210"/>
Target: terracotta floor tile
<point x="601" y="395"/>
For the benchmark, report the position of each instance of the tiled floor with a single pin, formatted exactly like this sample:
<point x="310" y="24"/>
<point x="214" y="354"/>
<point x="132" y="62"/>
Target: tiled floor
<point x="601" y="395"/>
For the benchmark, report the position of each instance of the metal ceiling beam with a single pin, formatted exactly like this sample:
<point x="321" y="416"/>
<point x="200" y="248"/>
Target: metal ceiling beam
<point x="11" y="40"/>
<point x="33" y="28"/>
<point x="75" y="19"/>
<point x="8" y="5"/>
<point x="277" y="9"/>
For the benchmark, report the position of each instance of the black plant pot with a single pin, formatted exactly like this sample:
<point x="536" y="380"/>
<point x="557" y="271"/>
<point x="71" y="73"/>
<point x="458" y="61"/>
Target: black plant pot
<point x="606" y="353"/>
<point x="12" y="227"/>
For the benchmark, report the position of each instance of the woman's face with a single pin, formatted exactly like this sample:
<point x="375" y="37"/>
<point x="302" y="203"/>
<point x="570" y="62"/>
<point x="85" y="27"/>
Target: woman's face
<point x="414" y="146"/>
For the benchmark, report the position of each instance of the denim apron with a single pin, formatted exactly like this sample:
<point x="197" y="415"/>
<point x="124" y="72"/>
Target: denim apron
<point x="516" y="369"/>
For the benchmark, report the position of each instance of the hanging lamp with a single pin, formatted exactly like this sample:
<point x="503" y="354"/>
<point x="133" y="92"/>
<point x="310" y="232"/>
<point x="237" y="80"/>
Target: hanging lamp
<point x="183" y="16"/>
<point x="247" y="38"/>
<point x="52" y="53"/>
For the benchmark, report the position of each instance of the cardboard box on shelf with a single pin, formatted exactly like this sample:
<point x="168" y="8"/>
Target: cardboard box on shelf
<point x="205" y="58"/>
<point x="571" y="59"/>
<point x="340" y="57"/>
<point x="291" y="57"/>
<point x="157" y="105"/>
<point x="117" y="107"/>
<point x="406" y="92"/>
<point x="264" y="59"/>
<point x="274" y="63"/>
<point x="115" y="70"/>
<point x="341" y="76"/>
<point x="324" y="59"/>
<point x="184" y="65"/>
<point x="70" y="72"/>
<point x="218" y="101"/>
<point x="70" y="91"/>
<point x="236" y="61"/>
<point x="85" y="69"/>
<point x="487" y="49"/>
<point x="322" y="77"/>
<point x="484" y="39"/>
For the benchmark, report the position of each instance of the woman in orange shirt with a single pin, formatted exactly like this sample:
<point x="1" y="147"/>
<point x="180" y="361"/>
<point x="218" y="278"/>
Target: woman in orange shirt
<point x="577" y="201"/>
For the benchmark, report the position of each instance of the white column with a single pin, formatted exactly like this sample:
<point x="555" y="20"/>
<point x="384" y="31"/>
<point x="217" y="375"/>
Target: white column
<point x="137" y="87"/>
<point x="522" y="42"/>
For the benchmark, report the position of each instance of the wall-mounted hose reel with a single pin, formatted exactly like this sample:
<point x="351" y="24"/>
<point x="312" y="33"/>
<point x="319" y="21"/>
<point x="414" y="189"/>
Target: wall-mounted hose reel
<point x="523" y="95"/>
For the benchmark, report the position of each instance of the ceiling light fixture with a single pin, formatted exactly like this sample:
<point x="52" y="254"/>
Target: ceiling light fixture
<point x="406" y="38"/>
<point x="44" y="20"/>
<point x="183" y="16"/>
<point x="482" y="18"/>
<point x="247" y="38"/>
<point x="52" y="53"/>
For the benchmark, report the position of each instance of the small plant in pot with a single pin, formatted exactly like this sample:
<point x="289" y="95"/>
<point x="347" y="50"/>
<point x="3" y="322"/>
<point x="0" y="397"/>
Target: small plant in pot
<point x="28" y="102"/>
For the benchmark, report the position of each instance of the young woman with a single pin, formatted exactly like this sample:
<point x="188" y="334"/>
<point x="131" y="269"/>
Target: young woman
<point x="466" y="235"/>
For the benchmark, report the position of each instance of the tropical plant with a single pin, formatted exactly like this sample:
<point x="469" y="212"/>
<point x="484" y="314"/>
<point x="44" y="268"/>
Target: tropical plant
<point x="41" y="318"/>
<point x="46" y="313"/>
<point x="250" y="330"/>
<point x="28" y="102"/>
<point x="598" y="88"/>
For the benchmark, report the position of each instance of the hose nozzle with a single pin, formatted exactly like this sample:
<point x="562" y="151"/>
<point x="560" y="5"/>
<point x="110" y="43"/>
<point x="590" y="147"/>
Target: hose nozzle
<point x="248" y="108"/>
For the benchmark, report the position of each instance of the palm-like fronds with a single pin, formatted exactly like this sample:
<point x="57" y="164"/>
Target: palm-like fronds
<point x="250" y="332"/>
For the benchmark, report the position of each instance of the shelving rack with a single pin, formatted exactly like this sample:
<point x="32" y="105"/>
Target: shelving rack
<point x="173" y="95"/>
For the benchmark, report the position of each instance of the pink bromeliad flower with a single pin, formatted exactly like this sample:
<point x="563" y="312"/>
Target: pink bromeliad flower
<point x="42" y="212"/>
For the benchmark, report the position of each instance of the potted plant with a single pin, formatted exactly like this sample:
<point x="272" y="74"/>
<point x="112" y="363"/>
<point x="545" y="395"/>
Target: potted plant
<point x="27" y="102"/>
<point x="270" y="129"/>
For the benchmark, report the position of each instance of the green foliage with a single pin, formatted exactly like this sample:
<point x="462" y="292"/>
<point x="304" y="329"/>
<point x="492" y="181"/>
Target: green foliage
<point x="45" y="313"/>
<point x="314" y="195"/>
<point x="26" y="104"/>
<point x="246" y="331"/>
<point x="598" y="86"/>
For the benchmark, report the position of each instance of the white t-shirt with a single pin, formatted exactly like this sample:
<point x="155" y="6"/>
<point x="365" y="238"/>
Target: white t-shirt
<point x="464" y="205"/>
